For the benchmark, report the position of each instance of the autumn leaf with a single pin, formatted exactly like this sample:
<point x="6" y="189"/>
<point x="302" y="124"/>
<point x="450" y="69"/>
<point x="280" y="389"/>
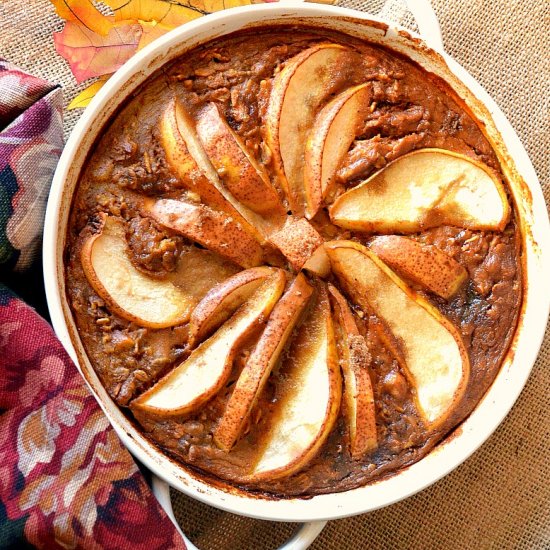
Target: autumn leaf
<point x="86" y="95"/>
<point x="170" y="13"/>
<point x="151" y="31"/>
<point x="157" y="17"/>
<point x="90" y="54"/>
<point x="218" y="5"/>
<point x="85" y="13"/>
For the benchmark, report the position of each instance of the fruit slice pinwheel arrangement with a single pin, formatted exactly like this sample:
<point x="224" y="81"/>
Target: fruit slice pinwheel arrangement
<point x="308" y="322"/>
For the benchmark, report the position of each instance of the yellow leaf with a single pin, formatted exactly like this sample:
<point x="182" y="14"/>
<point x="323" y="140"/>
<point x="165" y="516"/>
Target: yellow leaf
<point x="85" y="13"/>
<point x="169" y="13"/>
<point x="216" y="5"/>
<point x="86" y="95"/>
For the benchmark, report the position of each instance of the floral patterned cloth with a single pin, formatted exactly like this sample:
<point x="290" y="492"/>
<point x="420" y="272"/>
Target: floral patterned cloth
<point x="66" y="481"/>
<point x="31" y="139"/>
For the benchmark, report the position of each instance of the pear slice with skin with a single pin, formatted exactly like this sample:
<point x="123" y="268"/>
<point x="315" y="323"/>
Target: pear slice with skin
<point x="308" y="397"/>
<point x="423" y="189"/>
<point x="180" y="159"/>
<point x="178" y="137"/>
<point x="188" y="160"/>
<point x="297" y="93"/>
<point x="210" y="228"/>
<point x="255" y="373"/>
<point x="436" y="360"/>
<point x="334" y="130"/>
<point x="239" y="171"/>
<point x="297" y="240"/>
<point x="355" y="360"/>
<point x="318" y="263"/>
<point x="127" y="291"/>
<point x="423" y="264"/>
<point x="206" y="370"/>
<point x="223" y="300"/>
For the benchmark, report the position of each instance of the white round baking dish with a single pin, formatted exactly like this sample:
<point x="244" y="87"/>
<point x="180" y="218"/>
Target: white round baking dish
<point x="530" y="206"/>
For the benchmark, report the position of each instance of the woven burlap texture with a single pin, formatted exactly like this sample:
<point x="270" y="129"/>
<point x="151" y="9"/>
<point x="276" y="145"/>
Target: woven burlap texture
<point x="500" y="497"/>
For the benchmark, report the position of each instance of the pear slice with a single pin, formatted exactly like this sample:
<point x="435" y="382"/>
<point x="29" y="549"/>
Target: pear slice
<point x="186" y="157"/>
<point x="210" y="228"/>
<point x="206" y="370"/>
<point x="297" y="94"/>
<point x="238" y="170"/>
<point x="223" y="300"/>
<point x="436" y="360"/>
<point x="355" y="360"/>
<point x="297" y="240"/>
<point x="255" y="373"/>
<point x="334" y="130"/>
<point x="128" y="292"/>
<point x="179" y="158"/>
<point x="318" y="263"/>
<point x="423" y="264"/>
<point x="423" y="189"/>
<point x="308" y="397"/>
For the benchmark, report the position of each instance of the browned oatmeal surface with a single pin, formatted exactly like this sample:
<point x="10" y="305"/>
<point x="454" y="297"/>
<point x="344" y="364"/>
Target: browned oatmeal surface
<point x="412" y="110"/>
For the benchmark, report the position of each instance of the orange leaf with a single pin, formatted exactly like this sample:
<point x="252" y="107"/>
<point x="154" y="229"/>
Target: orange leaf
<point x="151" y="31"/>
<point x="85" y="13"/>
<point x="90" y="54"/>
<point x="169" y="13"/>
<point x="87" y="94"/>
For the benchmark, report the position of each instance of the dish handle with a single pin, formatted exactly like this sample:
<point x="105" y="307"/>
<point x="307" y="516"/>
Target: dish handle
<point x="300" y="540"/>
<point x="421" y="10"/>
<point x="427" y="22"/>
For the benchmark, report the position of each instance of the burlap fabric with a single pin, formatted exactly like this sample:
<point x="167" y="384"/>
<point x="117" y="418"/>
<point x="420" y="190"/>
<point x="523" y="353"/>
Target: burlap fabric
<point x="500" y="497"/>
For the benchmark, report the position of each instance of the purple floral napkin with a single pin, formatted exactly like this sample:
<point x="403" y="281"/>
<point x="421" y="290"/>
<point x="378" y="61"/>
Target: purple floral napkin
<point x="66" y="481"/>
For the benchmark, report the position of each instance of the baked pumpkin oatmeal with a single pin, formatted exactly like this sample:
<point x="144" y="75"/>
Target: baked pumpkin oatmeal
<point x="294" y="261"/>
